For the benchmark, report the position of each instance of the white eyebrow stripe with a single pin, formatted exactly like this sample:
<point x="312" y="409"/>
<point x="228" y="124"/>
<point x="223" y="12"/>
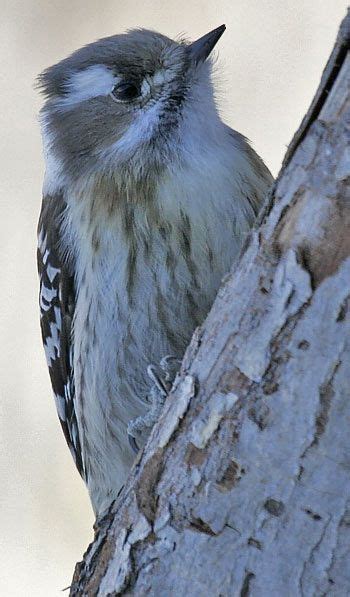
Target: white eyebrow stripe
<point x="88" y="83"/>
<point x="98" y="79"/>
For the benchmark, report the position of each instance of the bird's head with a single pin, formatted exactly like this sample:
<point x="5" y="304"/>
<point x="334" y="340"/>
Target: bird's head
<point x="126" y="100"/>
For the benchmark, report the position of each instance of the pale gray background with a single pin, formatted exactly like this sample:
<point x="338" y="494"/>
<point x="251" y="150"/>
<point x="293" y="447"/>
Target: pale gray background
<point x="270" y="61"/>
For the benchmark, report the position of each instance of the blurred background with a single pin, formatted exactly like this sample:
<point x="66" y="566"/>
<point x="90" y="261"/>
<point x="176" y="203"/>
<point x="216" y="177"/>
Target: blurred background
<point x="270" y="61"/>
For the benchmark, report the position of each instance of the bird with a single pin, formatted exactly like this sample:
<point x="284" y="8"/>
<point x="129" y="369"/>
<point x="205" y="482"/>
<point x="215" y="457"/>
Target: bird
<point x="148" y="197"/>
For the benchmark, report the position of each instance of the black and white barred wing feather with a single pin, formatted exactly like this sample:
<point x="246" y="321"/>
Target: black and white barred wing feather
<point x="56" y="313"/>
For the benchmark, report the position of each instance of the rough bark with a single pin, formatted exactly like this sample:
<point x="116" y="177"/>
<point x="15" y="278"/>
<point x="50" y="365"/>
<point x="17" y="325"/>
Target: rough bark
<point x="244" y="487"/>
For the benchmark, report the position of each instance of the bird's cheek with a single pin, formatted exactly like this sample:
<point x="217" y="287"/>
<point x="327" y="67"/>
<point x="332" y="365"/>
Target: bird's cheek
<point x="122" y="120"/>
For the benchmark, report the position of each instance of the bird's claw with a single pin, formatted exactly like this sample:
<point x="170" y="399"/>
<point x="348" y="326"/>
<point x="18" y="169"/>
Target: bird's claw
<point x="133" y="443"/>
<point x="162" y="383"/>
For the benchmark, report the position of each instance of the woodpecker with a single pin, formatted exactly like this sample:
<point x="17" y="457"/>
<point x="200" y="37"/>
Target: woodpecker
<point x="148" y="197"/>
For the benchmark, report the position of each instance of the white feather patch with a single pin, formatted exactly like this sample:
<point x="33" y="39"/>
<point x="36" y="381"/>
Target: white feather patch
<point x="52" y="344"/>
<point x="88" y="83"/>
<point x="140" y="131"/>
<point x="52" y="272"/>
<point x="48" y="294"/>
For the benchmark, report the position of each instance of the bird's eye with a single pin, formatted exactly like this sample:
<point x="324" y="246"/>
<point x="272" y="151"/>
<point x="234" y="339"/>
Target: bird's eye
<point x="126" y="91"/>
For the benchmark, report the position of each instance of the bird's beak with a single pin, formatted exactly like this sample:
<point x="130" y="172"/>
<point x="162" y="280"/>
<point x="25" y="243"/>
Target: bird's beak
<point x="200" y="49"/>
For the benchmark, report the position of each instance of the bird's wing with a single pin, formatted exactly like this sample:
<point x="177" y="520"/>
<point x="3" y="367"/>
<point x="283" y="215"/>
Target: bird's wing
<point x="57" y="300"/>
<point x="258" y="178"/>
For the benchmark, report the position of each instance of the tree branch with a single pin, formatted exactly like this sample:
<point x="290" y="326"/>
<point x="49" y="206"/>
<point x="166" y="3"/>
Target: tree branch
<point x="243" y="488"/>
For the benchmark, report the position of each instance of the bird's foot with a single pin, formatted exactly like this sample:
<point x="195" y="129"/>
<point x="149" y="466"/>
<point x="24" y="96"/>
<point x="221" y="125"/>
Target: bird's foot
<point x="162" y="380"/>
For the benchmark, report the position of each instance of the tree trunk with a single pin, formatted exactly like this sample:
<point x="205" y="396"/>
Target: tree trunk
<point x="244" y="486"/>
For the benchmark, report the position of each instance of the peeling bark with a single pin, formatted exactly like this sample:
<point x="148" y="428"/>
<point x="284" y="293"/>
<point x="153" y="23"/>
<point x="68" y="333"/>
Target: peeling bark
<point x="244" y="486"/>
